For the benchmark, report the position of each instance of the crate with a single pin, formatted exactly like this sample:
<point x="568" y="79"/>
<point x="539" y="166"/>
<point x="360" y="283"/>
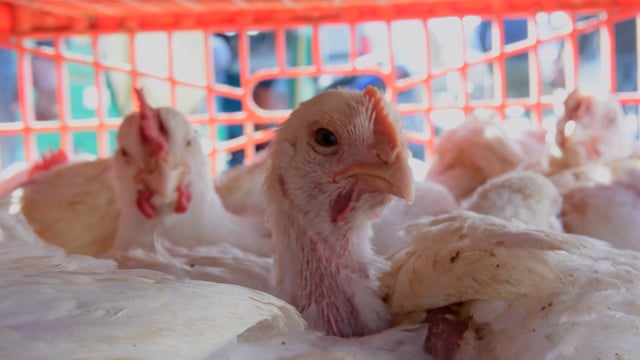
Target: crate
<point x="85" y="56"/>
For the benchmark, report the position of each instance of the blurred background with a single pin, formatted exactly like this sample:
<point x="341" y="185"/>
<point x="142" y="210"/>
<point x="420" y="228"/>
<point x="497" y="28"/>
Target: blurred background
<point x="448" y="61"/>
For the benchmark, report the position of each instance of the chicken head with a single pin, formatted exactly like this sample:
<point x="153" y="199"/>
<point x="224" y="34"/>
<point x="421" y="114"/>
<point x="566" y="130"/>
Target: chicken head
<point x="593" y="127"/>
<point x="158" y="154"/>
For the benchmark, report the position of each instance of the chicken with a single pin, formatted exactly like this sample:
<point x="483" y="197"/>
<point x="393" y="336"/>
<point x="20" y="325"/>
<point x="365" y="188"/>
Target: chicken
<point x="472" y="153"/>
<point x="60" y="306"/>
<point x="62" y="200"/>
<point x="336" y="162"/>
<point x="592" y="127"/>
<point x="163" y="187"/>
<point x="524" y="196"/>
<point x="493" y="289"/>
<point x="71" y="201"/>
<point x="92" y="205"/>
<point x="606" y="206"/>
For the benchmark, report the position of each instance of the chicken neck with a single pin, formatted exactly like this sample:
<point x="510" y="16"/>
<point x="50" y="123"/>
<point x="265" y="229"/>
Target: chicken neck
<point x="331" y="277"/>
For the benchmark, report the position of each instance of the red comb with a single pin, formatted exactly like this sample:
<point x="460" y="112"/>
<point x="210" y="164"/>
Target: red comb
<point x="383" y="126"/>
<point x="48" y="161"/>
<point x="151" y="129"/>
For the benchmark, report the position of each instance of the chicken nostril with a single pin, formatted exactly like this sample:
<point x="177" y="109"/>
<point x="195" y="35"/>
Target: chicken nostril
<point x="380" y="157"/>
<point x="389" y="156"/>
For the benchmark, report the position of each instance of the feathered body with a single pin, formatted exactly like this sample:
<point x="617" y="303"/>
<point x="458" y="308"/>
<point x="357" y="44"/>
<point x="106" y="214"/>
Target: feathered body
<point x="592" y="128"/>
<point x="471" y="153"/>
<point x="605" y="204"/>
<point x="220" y="263"/>
<point x="526" y="294"/>
<point x="523" y="196"/>
<point x="164" y="188"/>
<point x="72" y="206"/>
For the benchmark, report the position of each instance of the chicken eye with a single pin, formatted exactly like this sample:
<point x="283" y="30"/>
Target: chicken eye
<point x="189" y="142"/>
<point x="325" y="137"/>
<point x="124" y="152"/>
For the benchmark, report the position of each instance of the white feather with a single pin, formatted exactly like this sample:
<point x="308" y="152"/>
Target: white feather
<point x="58" y="306"/>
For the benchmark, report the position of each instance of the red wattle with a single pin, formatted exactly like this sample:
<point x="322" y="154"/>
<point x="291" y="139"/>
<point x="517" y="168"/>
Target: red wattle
<point x="144" y="203"/>
<point x="184" y="199"/>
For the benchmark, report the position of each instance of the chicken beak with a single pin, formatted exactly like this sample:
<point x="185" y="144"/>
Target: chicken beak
<point x="162" y="178"/>
<point x="390" y="172"/>
<point x="394" y="177"/>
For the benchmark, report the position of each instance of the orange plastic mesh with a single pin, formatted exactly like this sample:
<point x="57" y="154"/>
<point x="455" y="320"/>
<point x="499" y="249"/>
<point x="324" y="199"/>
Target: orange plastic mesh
<point x="57" y="19"/>
<point x="136" y="15"/>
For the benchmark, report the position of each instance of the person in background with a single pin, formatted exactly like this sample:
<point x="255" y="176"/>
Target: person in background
<point x="516" y="67"/>
<point x="46" y="106"/>
<point x="223" y="74"/>
<point x="626" y="56"/>
<point x="358" y="82"/>
<point x="8" y="86"/>
<point x="8" y="104"/>
<point x="270" y="95"/>
<point x="45" y="82"/>
<point x="626" y="45"/>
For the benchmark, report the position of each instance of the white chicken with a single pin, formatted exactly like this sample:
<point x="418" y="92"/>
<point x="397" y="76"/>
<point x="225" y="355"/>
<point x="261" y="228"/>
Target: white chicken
<point x="71" y="205"/>
<point x="523" y="196"/>
<point x="335" y="163"/>
<point x="606" y="203"/>
<point x="163" y="188"/>
<point x="592" y="128"/>
<point x="493" y="289"/>
<point x="471" y="153"/>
